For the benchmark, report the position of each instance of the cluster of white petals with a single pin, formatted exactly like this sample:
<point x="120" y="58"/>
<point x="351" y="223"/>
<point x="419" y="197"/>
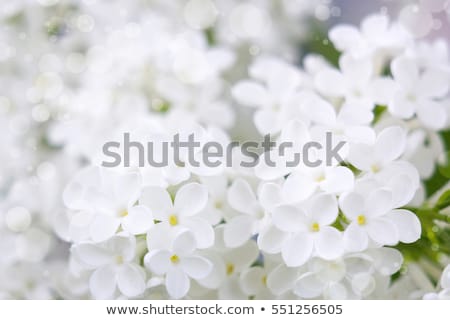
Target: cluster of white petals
<point x="220" y="70"/>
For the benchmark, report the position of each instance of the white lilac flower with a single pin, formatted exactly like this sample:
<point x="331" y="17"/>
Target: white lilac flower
<point x="183" y="212"/>
<point x="228" y="265"/>
<point x="389" y="146"/>
<point x="377" y="36"/>
<point x="350" y="124"/>
<point x="270" y="281"/>
<point x="273" y="93"/>
<point x="353" y="276"/>
<point x="106" y="200"/>
<point x="424" y="148"/>
<point x="274" y="164"/>
<point x="252" y="215"/>
<point x="308" y="230"/>
<point x="300" y="185"/>
<point x="419" y="92"/>
<point x="373" y="217"/>
<point x="217" y="206"/>
<point x="356" y="82"/>
<point x="114" y="267"/>
<point x="178" y="261"/>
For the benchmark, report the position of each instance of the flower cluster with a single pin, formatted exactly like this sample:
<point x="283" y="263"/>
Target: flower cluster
<point x="221" y="71"/>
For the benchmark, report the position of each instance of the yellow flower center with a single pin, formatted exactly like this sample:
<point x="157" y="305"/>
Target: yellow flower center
<point x="264" y="280"/>
<point x="218" y="204"/>
<point x="320" y="178"/>
<point x="173" y="220"/>
<point x="180" y="164"/>
<point x="119" y="259"/>
<point x="361" y="220"/>
<point x="374" y="168"/>
<point x="315" y="227"/>
<point x="174" y="259"/>
<point x="123" y="213"/>
<point x="230" y="269"/>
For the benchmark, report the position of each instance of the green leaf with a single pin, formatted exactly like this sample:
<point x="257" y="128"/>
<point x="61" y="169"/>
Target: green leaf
<point x="378" y="112"/>
<point x="444" y="200"/>
<point x="319" y="43"/>
<point x="441" y="176"/>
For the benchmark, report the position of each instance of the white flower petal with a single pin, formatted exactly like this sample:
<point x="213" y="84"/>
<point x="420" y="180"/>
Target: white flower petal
<point x="407" y="223"/>
<point x="295" y="131"/>
<point x="191" y="199"/>
<point x="177" y="283"/>
<point x="335" y="291"/>
<point x="218" y="273"/>
<point x="91" y="254"/>
<point x="405" y="72"/>
<point x="252" y="280"/>
<point x="73" y="195"/>
<point x="270" y="239"/>
<point x="308" y="286"/>
<point x="202" y="231"/>
<point x="361" y="156"/>
<point x="158" y="200"/>
<point x="403" y="190"/>
<point x="323" y="208"/>
<point x="352" y="204"/>
<point x="329" y="243"/>
<point x="250" y="93"/>
<point x="355" y="238"/>
<point x="344" y="37"/>
<point x="401" y="106"/>
<point x="281" y="279"/>
<point x="269" y="195"/>
<point x="196" y="267"/>
<point x="323" y="112"/>
<point x="359" y="70"/>
<point x="383" y="231"/>
<point x="330" y="82"/>
<point x="354" y="115"/>
<point x="103" y="227"/>
<point x="434" y="83"/>
<point x="273" y="169"/>
<point x="123" y="245"/>
<point x="243" y="256"/>
<point x="382" y="90"/>
<point x="128" y="188"/>
<point x="237" y="231"/>
<point x="267" y="121"/>
<point x="241" y="197"/>
<point x="338" y="180"/>
<point x="184" y="243"/>
<point x="297" y="249"/>
<point x="298" y="187"/>
<point x="289" y="218"/>
<point x="374" y="25"/>
<point x="390" y="144"/>
<point x="130" y="280"/>
<point x="363" y="284"/>
<point x="160" y="236"/>
<point x="387" y="260"/>
<point x="79" y="226"/>
<point x="432" y="114"/>
<point x="378" y="203"/>
<point x="102" y="283"/>
<point x="138" y="221"/>
<point x="157" y="261"/>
